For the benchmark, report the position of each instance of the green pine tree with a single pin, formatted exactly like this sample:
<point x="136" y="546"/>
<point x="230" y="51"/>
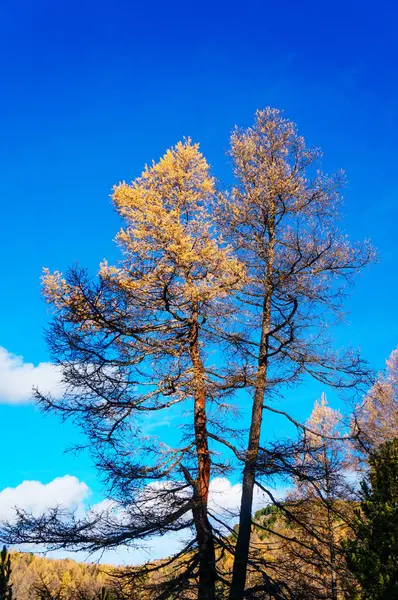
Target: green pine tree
<point x="104" y="594"/>
<point x="5" y="575"/>
<point x="372" y="555"/>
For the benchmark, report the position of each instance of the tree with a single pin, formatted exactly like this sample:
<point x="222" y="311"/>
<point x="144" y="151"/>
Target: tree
<point x="322" y="505"/>
<point x="372" y="554"/>
<point x="256" y="277"/>
<point x="300" y="535"/>
<point x="134" y="342"/>
<point x="330" y="455"/>
<point x="377" y="418"/>
<point x="282" y="220"/>
<point x="42" y="590"/>
<point x="5" y="575"/>
<point x="33" y="576"/>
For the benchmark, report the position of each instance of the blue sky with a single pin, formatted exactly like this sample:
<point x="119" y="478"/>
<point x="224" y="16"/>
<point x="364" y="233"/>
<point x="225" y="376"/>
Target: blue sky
<point x="91" y="91"/>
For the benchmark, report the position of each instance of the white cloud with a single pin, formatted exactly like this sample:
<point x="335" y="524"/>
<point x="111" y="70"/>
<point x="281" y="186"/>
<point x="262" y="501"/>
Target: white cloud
<point x="225" y="496"/>
<point x="34" y="496"/>
<point x="70" y="493"/>
<point x="17" y="379"/>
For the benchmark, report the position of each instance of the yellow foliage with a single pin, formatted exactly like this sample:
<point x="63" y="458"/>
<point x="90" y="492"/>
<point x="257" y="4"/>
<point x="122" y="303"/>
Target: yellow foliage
<point x="378" y="417"/>
<point x="65" y="577"/>
<point x="170" y="232"/>
<point x="169" y="239"/>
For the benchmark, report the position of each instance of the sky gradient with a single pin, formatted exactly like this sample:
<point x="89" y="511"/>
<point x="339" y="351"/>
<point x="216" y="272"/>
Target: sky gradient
<point x="91" y="91"/>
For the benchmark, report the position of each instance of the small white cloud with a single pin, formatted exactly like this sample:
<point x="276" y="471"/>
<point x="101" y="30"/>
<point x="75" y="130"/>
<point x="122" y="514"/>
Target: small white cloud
<point x="17" y="379"/>
<point x="37" y="497"/>
<point x="225" y="496"/>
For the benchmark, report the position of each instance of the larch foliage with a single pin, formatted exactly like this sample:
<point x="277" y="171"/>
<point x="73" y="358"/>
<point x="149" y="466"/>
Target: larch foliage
<point x="282" y="218"/>
<point x="256" y="275"/>
<point x="171" y="232"/>
<point x="377" y="417"/>
<point x="138" y="341"/>
<point x="327" y="436"/>
<point x="317" y="508"/>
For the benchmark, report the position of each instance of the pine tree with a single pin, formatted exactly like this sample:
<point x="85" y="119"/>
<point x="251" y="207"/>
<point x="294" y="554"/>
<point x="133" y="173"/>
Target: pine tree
<point x="5" y="575"/>
<point x="372" y="555"/>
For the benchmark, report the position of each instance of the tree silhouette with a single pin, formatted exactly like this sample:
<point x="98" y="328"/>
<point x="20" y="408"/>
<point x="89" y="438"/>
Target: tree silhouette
<point x="5" y="575"/>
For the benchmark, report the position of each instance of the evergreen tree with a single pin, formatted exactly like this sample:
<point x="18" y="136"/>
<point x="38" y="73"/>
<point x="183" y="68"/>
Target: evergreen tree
<point x="372" y="555"/>
<point x="5" y="575"/>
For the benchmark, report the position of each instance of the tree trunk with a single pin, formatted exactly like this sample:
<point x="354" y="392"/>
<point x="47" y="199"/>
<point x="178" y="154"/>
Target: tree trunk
<point x="242" y="548"/>
<point x="331" y="541"/>
<point x="204" y="533"/>
<point x="245" y="518"/>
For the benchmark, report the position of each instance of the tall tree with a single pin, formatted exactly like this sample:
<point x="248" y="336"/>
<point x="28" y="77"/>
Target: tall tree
<point x="372" y="554"/>
<point x="135" y="342"/>
<point x="282" y="219"/>
<point x="260" y="275"/>
<point x="5" y="575"/>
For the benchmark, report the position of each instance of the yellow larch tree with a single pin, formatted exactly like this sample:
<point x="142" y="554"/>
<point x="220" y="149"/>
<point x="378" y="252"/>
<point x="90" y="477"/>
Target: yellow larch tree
<point x="377" y="417"/>
<point x="300" y="537"/>
<point x="135" y="341"/>
<point x="281" y="217"/>
<point x="322" y="505"/>
<point x="256" y="277"/>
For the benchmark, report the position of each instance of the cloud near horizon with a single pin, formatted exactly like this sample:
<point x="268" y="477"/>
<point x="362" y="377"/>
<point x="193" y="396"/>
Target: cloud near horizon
<point x="18" y="378"/>
<point x="70" y="493"/>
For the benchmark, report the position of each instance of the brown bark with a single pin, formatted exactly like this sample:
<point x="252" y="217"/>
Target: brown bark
<point x="331" y="541"/>
<point x="207" y="559"/>
<point x="242" y="549"/>
<point x="249" y="472"/>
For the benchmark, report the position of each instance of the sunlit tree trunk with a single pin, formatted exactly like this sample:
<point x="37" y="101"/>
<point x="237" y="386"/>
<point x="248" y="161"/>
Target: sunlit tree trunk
<point x="207" y="560"/>
<point x="249" y="473"/>
<point x="281" y="219"/>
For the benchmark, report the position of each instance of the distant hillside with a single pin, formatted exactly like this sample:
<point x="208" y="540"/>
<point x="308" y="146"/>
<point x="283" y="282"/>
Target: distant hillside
<point x="293" y="558"/>
<point x="38" y="577"/>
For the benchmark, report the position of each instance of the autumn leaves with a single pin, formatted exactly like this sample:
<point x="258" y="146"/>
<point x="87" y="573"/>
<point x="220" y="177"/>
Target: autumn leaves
<point x="216" y="291"/>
